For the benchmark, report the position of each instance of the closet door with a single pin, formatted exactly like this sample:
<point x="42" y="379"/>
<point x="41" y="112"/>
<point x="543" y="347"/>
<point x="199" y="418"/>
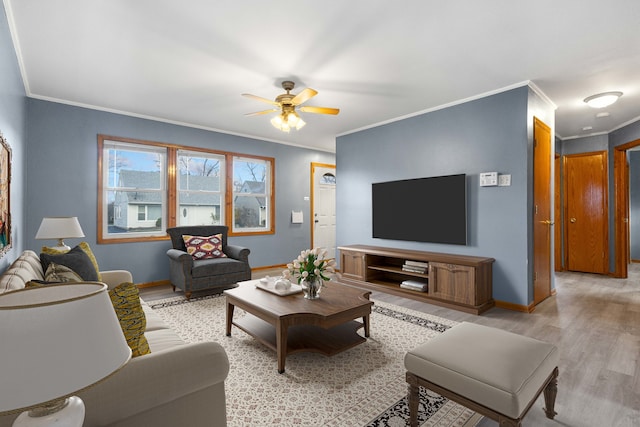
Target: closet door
<point x="586" y="212"/>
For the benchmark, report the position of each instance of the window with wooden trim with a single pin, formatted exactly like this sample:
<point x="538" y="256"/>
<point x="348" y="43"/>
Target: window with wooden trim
<point x="133" y="192"/>
<point x="146" y="187"/>
<point x="251" y="207"/>
<point x="201" y="188"/>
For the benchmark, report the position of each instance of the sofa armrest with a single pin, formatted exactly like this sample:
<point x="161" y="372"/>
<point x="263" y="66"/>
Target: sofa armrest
<point x="238" y="252"/>
<point x="155" y="379"/>
<point x="114" y="277"/>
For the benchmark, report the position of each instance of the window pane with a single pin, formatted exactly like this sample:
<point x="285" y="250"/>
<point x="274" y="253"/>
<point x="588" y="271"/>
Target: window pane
<point x="134" y="212"/>
<point x="133" y="185"/>
<point x="134" y="168"/>
<point x="199" y="208"/>
<point x="198" y="172"/>
<point x="249" y="212"/>
<point x="249" y="176"/>
<point x="251" y="183"/>
<point x="201" y="188"/>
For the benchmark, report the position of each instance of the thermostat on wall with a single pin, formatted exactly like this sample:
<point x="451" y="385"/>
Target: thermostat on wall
<point x="488" y="179"/>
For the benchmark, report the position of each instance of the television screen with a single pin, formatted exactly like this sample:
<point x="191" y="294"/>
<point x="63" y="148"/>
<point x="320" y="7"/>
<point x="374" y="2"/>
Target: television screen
<point x="422" y="210"/>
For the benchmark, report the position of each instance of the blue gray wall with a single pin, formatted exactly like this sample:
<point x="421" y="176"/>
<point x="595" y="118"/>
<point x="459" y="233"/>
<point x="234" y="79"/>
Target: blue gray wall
<point x="62" y="161"/>
<point x="12" y="125"/>
<point x="585" y="145"/>
<point x="488" y="134"/>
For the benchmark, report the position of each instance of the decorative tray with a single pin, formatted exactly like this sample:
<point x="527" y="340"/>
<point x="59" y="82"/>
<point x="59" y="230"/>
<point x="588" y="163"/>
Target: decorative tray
<point x="269" y="286"/>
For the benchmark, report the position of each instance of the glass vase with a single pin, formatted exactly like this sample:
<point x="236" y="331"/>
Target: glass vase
<point x="311" y="288"/>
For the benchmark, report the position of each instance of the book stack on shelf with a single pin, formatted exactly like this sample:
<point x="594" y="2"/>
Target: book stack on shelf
<point x="414" y="285"/>
<point x="415" y="266"/>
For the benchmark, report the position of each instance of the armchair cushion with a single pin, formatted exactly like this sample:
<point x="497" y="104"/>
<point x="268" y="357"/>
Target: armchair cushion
<point x="200" y="247"/>
<point x="216" y="267"/>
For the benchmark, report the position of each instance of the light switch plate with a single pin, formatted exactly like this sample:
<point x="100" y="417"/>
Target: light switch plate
<point x="504" y="180"/>
<point x="488" y="179"/>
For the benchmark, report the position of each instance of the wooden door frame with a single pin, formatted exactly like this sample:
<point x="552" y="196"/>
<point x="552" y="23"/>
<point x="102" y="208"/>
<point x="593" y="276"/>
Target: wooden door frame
<point x="312" y="206"/>
<point x="621" y="208"/>
<point x="565" y="214"/>
<point x="558" y="231"/>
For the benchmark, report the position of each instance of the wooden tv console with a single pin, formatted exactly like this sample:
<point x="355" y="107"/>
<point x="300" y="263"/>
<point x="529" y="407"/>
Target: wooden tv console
<point x="460" y="282"/>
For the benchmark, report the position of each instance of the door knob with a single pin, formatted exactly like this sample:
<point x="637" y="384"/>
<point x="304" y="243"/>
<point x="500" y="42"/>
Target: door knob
<point x="572" y="220"/>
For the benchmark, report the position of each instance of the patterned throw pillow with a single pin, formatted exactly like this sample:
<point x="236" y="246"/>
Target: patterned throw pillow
<point x="59" y="273"/>
<point x="204" y="247"/>
<point x="76" y="259"/>
<point x="126" y="302"/>
<point x="82" y="245"/>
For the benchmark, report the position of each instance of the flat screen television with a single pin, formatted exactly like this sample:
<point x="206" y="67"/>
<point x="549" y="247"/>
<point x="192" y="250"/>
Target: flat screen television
<point x="430" y="210"/>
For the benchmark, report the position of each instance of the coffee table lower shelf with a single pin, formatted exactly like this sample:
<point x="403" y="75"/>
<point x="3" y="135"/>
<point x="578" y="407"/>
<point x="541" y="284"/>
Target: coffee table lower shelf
<point x="304" y="337"/>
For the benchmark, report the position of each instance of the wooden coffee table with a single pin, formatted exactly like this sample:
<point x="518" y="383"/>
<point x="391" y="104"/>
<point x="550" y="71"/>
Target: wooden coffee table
<point x="292" y="324"/>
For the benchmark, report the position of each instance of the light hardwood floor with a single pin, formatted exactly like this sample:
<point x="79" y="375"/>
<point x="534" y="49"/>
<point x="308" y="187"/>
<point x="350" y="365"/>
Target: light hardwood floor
<point x="594" y="321"/>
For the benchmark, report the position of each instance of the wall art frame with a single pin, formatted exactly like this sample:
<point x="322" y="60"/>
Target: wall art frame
<point x="5" y="196"/>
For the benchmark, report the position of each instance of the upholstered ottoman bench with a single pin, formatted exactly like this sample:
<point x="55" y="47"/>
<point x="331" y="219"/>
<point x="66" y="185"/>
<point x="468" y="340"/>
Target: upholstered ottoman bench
<point x="493" y="372"/>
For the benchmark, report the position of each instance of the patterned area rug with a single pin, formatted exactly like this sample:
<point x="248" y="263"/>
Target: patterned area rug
<point x="363" y="386"/>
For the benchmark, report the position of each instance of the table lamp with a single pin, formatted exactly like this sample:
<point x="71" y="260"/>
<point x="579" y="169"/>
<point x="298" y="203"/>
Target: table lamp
<point x="56" y="341"/>
<point x="59" y="228"/>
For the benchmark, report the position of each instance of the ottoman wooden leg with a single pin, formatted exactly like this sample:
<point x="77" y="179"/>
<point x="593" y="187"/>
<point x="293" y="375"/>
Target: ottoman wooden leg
<point x="413" y="397"/>
<point x="550" y="392"/>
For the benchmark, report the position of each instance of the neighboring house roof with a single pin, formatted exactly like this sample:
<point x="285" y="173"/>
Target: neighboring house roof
<point x="257" y="187"/>
<point x="142" y="180"/>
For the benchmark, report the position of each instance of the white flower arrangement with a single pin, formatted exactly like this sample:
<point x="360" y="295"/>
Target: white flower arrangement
<point x="310" y="265"/>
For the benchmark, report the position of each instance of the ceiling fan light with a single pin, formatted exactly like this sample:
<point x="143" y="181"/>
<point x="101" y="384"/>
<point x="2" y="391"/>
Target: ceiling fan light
<point x="277" y="121"/>
<point x="292" y="119"/>
<point x="300" y="124"/>
<point x="602" y="100"/>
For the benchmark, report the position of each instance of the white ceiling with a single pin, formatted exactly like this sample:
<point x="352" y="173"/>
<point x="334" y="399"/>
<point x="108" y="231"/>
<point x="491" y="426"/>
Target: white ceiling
<point x="188" y="61"/>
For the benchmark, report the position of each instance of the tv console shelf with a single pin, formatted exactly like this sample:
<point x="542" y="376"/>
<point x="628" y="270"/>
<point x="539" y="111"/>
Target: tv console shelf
<point x="460" y="282"/>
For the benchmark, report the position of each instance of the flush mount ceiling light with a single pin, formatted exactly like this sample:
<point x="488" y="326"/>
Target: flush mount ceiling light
<point x="602" y="100"/>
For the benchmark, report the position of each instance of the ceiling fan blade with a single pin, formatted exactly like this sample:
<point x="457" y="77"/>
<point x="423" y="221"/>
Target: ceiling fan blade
<point x="304" y="96"/>
<point x="319" y="110"/>
<point x="261" y="99"/>
<point x="258" y="113"/>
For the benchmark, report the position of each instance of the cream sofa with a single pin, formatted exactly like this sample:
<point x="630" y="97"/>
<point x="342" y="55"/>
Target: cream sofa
<point x="178" y="384"/>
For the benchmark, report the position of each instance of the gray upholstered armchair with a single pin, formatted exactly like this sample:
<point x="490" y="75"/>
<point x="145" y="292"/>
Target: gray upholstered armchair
<point x="193" y="275"/>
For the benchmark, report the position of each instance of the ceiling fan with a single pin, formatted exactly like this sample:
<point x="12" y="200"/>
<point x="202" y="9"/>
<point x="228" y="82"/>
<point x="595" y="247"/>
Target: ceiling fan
<point x="287" y="102"/>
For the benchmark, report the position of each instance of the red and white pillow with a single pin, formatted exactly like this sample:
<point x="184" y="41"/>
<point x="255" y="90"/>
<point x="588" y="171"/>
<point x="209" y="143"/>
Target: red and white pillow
<point x="200" y="247"/>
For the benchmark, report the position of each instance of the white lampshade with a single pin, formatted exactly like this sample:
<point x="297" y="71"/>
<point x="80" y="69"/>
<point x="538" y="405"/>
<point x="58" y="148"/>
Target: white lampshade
<point x="55" y="341"/>
<point x="59" y="228"/>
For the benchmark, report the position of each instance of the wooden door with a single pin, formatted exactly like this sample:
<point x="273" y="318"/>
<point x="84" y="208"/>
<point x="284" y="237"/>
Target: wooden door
<point x="621" y="211"/>
<point x="585" y="219"/>
<point x="541" y="211"/>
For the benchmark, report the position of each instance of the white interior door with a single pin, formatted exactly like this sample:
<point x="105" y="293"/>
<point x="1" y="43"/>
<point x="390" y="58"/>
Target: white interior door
<point x="323" y="207"/>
